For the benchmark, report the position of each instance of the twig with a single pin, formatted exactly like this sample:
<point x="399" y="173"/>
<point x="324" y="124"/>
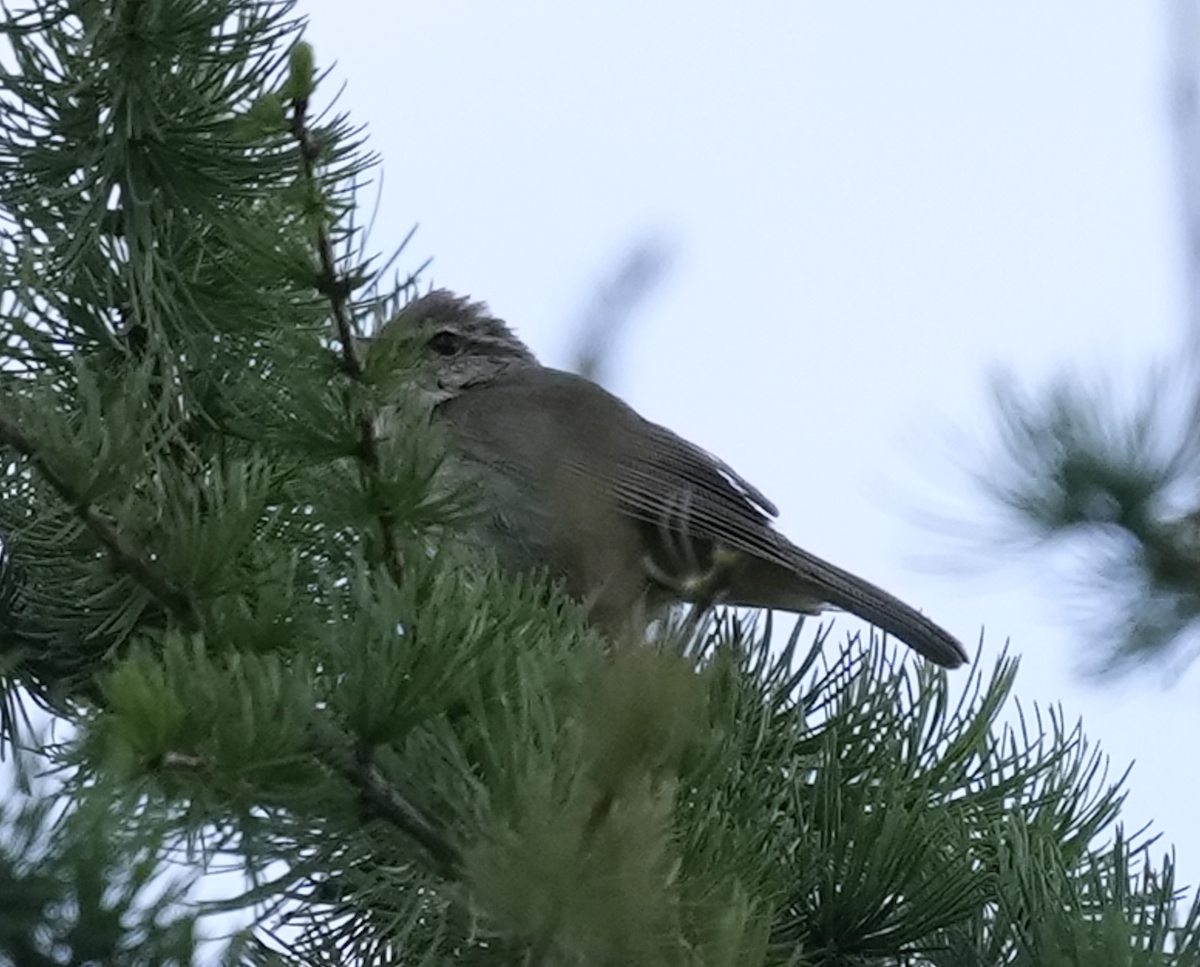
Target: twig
<point x="125" y="555"/>
<point x="336" y="288"/>
<point x="386" y="802"/>
<point x="614" y="303"/>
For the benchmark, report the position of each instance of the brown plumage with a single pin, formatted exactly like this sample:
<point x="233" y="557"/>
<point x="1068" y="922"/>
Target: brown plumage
<point x="631" y="516"/>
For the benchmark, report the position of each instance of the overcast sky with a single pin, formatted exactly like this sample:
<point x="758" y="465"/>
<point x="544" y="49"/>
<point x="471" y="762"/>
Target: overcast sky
<point x="872" y="206"/>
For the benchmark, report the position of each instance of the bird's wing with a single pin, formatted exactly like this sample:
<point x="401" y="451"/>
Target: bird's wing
<point x="680" y="489"/>
<point x="694" y="498"/>
<point x="534" y="428"/>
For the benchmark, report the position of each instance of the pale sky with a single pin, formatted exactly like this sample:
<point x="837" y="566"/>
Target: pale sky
<point x="873" y="205"/>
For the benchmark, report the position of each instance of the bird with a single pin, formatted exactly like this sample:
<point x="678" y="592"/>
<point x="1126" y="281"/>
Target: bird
<point x="629" y="516"/>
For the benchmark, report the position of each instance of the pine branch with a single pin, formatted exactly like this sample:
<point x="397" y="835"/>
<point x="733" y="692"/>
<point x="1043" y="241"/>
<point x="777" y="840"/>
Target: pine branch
<point x="124" y="554"/>
<point x="337" y="289"/>
<point x="383" y="800"/>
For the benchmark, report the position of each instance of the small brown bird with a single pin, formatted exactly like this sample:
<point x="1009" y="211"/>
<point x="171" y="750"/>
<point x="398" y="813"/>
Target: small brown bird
<point x="631" y="517"/>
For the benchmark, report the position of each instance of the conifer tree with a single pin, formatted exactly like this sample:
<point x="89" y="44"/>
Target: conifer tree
<point x="246" y="607"/>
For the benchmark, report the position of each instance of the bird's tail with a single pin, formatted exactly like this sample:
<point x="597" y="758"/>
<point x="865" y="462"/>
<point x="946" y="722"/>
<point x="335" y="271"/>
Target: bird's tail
<point x="811" y="584"/>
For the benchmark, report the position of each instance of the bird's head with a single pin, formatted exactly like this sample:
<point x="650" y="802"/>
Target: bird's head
<point x="451" y="344"/>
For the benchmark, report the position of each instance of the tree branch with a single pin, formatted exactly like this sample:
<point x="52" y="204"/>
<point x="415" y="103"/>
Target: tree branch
<point x="124" y="554"/>
<point x="384" y="801"/>
<point x="337" y="289"/>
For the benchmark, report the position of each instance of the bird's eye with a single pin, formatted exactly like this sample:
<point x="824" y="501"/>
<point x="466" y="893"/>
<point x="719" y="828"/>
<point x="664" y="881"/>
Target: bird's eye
<point x="445" y="342"/>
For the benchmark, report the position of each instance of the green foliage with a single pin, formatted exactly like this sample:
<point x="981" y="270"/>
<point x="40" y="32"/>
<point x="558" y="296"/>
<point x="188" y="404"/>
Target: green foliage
<point x="1114" y="481"/>
<point x="228" y="560"/>
<point x="72" y="894"/>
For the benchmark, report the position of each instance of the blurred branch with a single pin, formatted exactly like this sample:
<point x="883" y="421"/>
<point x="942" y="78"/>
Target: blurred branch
<point x="1116" y="482"/>
<point x="614" y="302"/>
<point x="76" y="889"/>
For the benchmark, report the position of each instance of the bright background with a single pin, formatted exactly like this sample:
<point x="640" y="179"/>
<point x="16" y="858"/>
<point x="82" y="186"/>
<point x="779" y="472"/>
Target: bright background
<point x="871" y="205"/>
